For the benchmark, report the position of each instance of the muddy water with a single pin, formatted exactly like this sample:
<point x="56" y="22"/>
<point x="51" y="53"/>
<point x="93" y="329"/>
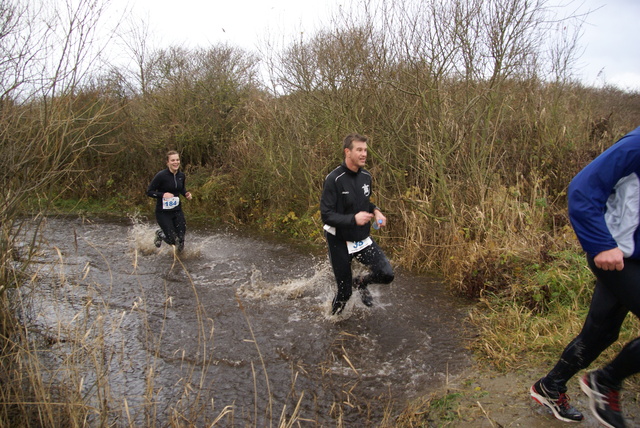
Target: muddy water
<point x="238" y="321"/>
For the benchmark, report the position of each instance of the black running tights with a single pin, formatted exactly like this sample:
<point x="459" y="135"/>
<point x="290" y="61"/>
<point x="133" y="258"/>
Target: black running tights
<point x="372" y="257"/>
<point x="616" y="293"/>
<point x="173" y="225"/>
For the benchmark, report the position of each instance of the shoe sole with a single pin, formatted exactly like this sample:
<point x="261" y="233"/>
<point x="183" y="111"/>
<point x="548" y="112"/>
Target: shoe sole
<point x="592" y="401"/>
<point x="542" y="401"/>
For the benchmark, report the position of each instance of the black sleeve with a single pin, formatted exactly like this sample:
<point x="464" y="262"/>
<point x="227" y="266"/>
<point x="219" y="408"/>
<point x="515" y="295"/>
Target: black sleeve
<point x="329" y="204"/>
<point x="152" y="190"/>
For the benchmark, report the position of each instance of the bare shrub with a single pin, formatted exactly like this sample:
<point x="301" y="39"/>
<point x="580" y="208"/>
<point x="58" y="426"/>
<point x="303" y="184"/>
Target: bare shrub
<point x="45" y="127"/>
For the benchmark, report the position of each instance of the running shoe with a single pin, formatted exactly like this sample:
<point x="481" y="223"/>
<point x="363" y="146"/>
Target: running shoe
<point x="603" y="401"/>
<point x="365" y="296"/>
<point x="337" y="307"/>
<point x="558" y="402"/>
<point x="158" y="239"/>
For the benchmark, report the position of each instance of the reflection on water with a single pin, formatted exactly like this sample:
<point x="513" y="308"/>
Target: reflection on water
<point x="238" y="321"/>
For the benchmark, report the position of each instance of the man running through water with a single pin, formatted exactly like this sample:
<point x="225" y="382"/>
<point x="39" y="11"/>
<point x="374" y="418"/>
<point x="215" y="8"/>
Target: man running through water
<point x="347" y="212"/>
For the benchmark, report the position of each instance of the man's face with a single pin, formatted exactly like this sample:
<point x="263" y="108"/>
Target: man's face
<point x="356" y="157"/>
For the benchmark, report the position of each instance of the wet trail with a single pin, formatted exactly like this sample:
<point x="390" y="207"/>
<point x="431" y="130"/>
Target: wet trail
<point x="237" y="321"/>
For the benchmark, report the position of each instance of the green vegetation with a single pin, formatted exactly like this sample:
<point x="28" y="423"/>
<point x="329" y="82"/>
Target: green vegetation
<point x="475" y="135"/>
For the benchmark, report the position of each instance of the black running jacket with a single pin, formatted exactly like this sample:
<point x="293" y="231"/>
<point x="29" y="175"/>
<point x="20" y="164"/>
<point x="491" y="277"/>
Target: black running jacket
<point x="345" y="193"/>
<point x="166" y="181"/>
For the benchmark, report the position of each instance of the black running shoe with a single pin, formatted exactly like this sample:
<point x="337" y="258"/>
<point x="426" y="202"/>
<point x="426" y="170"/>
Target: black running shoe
<point x="603" y="401"/>
<point x="366" y="297"/>
<point x="158" y="239"/>
<point x="337" y="307"/>
<point x="558" y="402"/>
<point x="365" y="294"/>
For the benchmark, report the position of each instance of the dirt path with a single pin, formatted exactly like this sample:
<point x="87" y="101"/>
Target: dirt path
<point x="502" y="400"/>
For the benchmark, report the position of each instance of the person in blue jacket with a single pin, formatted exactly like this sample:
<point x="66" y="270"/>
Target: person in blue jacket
<point x="166" y="187"/>
<point x="604" y="209"/>
<point x="347" y="212"/>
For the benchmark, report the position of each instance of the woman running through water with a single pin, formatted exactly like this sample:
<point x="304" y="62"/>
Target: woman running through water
<point x="166" y="187"/>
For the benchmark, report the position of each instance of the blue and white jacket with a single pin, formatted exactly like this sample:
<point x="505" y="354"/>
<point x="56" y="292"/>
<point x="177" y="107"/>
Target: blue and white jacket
<point x="604" y="199"/>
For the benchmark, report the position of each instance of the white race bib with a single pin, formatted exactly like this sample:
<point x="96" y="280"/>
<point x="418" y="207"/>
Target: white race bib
<point x="354" y="247"/>
<point x="168" y="203"/>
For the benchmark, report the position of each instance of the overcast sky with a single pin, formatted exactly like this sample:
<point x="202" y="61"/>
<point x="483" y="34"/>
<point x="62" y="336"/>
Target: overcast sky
<point x="610" y="40"/>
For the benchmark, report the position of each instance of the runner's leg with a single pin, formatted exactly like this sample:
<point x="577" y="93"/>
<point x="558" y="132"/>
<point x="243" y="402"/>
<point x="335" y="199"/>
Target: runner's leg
<point x="615" y="293"/>
<point x="180" y="226"/>
<point x="341" y="264"/>
<point x="165" y="221"/>
<point x="374" y="258"/>
<point x="625" y="285"/>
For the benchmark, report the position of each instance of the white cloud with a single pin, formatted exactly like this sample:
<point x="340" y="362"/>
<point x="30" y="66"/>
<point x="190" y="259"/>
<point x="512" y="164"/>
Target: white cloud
<point x="629" y="81"/>
<point x="611" y="49"/>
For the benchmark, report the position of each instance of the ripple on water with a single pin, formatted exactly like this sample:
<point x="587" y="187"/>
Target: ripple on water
<point x="233" y="312"/>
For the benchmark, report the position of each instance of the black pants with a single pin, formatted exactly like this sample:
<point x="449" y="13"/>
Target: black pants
<point x="173" y="225"/>
<point x="616" y="293"/>
<point x="373" y="257"/>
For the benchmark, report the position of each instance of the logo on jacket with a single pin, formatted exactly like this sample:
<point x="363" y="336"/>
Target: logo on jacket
<point x="366" y="189"/>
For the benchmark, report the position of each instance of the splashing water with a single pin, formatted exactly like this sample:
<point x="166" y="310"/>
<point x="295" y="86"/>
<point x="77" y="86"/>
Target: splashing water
<point x="142" y="235"/>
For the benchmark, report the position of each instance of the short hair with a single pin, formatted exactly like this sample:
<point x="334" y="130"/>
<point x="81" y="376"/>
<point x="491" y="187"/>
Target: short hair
<point x="349" y="139"/>
<point x="172" y="152"/>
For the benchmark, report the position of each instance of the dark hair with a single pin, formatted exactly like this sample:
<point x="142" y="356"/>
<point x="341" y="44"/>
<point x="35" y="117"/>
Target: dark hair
<point x="172" y="152"/>
<point x="349" y="139"/>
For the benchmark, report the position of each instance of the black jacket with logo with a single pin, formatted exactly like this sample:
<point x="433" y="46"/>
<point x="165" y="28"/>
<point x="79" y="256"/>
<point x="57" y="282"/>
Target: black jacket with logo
<point x="346" y="193"/>
<point x="166" y="181"/>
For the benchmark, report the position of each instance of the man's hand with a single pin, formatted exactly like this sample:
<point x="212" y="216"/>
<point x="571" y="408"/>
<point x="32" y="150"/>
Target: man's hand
<point x="379" y="216"/>
<point x="363" y="218"/>
<point x="612" y="259"/>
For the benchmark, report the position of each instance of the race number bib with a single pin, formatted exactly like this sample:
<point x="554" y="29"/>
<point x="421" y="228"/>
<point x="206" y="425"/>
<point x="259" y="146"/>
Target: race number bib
<point x="168" y="203"/>
<point x="354" y="247"/>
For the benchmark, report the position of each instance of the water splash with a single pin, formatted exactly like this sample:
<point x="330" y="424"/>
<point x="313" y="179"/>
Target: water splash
<point x="142" y="236"/>
<point x="319" y="288"/>
<point x="291" y="289"/>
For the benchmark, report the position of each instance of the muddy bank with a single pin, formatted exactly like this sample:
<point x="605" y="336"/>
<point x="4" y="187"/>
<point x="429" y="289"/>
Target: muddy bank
<point x="479" y="398"/>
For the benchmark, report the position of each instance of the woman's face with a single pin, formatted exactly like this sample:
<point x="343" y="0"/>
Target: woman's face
<point x="173" y="163"/>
